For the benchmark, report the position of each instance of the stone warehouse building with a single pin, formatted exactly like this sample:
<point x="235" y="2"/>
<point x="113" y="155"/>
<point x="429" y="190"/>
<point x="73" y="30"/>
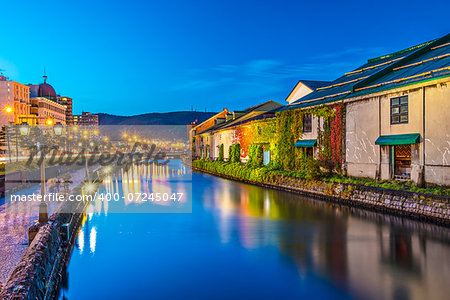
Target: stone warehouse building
<point x="224" y="130"/>
<point x="200" y="142"/>
<point x="395" y="115"/>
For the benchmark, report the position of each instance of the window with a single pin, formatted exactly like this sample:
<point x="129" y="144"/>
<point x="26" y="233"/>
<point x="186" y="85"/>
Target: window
<point x="399" y="110"/>
<point x="307" y="123"/>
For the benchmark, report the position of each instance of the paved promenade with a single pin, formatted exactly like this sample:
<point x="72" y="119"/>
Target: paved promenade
<point x="14" y="229"/>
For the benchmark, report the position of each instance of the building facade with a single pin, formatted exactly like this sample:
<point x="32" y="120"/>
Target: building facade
<point x="14" y="101"/>
<point x="394" y="115"/>
<point x="45" y="106"/>
<point x="222" y="130"/>
<point x="48" y="112"/>
<point x="200" y="140"/>
<point x="67" y="102"/>
<point x="86" y="119"/>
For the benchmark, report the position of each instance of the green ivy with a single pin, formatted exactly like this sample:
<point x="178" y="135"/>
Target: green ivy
<point x="220" y="158"/>
<point x="255" y="154"/>
<point x="234" y="153"/>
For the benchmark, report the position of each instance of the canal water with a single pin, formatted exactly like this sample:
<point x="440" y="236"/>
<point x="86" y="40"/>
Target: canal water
<point x="247" y="242"/>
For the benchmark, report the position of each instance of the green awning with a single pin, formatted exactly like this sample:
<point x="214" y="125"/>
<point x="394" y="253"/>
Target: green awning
<point x="398" y="139"/>
<point x="305" y="143"/>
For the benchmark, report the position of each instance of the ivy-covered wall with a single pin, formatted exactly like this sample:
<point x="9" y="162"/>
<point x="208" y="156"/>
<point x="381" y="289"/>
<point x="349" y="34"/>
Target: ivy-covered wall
<point x="259" y="132"/>
<point x="289" y="129"/>
<point x="279" y="135"/>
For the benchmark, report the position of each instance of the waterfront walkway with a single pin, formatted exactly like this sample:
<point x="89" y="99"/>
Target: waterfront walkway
<point x="14" y="228"/>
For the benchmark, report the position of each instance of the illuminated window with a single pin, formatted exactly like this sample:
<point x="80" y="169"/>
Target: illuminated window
<point x="399" y="110"/>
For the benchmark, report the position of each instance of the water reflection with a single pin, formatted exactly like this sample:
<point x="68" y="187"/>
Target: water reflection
<point x="368" y="254"/>
<point x="243" y="241"/>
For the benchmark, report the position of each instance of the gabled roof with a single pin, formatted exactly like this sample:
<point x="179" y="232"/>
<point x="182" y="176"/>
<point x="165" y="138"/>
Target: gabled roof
<point x="314" y="84"/>
<point x="311" y="85"/>
<point x="426" y="61"/>
<point x="206" y="122"/>
<point x="251" y="113"/>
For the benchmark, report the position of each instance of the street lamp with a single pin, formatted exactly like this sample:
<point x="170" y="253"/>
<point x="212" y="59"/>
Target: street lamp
<point x="43" y="207"/>
<point x="58" y="129"/>
<point x="8" y="109"/>
<point x="24" y="129"/>
<point x="49" y="122"/>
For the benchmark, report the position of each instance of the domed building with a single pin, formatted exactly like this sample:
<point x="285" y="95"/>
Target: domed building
<point x="43" y="90"/>
<point x="45" y="105"/>
<point x="46" y="90"/>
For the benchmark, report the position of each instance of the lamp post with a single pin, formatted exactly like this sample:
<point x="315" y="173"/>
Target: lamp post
<point x="8" y="109"/>
<point x="24" y="130"/>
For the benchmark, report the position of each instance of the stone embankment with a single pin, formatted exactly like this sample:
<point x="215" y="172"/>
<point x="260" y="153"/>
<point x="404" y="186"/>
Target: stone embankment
<point x="424" y="207"/>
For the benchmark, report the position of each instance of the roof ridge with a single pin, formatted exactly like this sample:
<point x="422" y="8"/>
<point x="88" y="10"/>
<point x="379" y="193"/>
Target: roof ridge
<point x="400" y="51"/>
<point x="417" y="51"/>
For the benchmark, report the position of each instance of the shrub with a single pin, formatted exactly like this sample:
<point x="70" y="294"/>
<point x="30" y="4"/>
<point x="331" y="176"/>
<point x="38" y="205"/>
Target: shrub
<point x="220" y="158"/>
<point x="313" y="171"/>
<point x="271" y="174"/>
<point x="234" y="153"/>
<point x="255" y="153"/>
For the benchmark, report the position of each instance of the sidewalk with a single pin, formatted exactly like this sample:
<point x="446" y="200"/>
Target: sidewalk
<point x="14" y="228"/>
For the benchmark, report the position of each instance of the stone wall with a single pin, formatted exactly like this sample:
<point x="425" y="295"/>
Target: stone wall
<point x="426" y="207"/>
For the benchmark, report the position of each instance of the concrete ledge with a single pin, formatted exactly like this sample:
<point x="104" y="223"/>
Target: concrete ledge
<point x="429" y="208"/>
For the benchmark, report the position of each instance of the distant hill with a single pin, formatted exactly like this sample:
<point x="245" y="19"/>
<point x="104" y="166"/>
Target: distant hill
<point x="170" y="118"/>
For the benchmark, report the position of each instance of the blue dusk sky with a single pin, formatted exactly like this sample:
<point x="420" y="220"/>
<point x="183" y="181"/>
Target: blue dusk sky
<point x="132" y="57"/>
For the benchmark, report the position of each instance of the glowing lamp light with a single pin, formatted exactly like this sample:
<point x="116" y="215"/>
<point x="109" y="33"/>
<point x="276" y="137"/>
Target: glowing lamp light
<point x="24" y="129"/>
<point x="96" y="132"/>
<point x="106" y="139"/>
<point x="58" y="129"/>
<point x="89" y="187"/>
<point x="8" y="109"/>
<point x="49" y="122"/>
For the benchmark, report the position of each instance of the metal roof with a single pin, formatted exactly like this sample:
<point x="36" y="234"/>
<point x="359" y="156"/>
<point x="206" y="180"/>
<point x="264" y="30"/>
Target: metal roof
<point x="427" y="61"/>
<point x="314" y="84"/>
<point x="260" y="111"/>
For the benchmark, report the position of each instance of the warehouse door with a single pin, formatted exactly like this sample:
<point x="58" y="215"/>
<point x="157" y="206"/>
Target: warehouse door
<point x="402" y="162"/>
